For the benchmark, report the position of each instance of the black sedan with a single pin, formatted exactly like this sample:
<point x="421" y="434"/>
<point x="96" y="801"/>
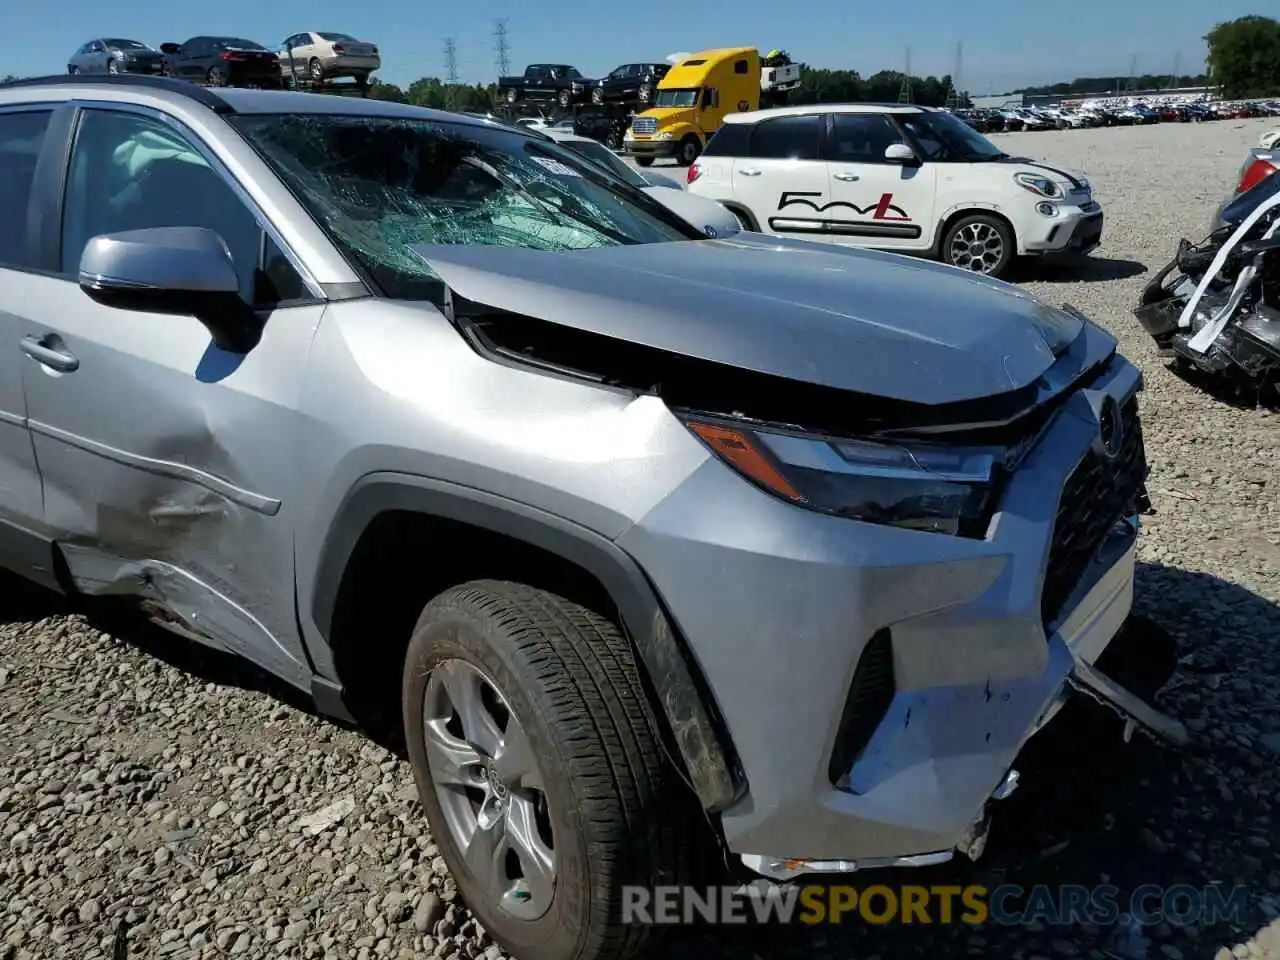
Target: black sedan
<point x="222" y="62"/>
<point x="115" y="55"/>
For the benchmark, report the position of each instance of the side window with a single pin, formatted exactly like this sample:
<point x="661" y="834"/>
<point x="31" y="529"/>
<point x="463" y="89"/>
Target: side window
<point x="97" y="47"/>
<point x="21" y="137"/>
<point x="789" y="138"/>
<point x="860" y="137"/>
<point x="740" y="66"/>
<point x="130" y="172"/>
<point x="731" y="140"/>
<point x="710" y="97"/>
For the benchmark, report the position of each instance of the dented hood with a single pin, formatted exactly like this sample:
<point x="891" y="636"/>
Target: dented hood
<point x="854" y="320"/>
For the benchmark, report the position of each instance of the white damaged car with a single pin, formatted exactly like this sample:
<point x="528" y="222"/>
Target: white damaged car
<point x="902" y="178"/>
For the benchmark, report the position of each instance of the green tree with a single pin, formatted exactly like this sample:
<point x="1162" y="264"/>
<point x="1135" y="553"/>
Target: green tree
<point x="1244" y="57"/>
<point x="386" y="91"/>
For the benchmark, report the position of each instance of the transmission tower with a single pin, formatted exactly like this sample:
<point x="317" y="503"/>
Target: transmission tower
<point x="501" y="47"/>
<point x="451" y="72"/>
<point x="953" y="93"/>
<point x="1177" y="65"/>
<point x="905" y="92"/>
<point x="1133" y="72"/>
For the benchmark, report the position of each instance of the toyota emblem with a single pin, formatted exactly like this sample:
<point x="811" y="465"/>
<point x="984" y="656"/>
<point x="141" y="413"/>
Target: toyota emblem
<point x="1110" y="427"/>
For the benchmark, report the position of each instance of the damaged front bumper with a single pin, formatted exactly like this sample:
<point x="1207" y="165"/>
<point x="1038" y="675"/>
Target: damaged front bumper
<point x="878" y="684"/>
<point x="1078" y="642"/>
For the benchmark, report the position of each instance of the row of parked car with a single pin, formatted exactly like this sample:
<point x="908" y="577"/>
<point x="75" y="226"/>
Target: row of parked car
<point x="310" y="56"/>
<point x="1114" y="113"/>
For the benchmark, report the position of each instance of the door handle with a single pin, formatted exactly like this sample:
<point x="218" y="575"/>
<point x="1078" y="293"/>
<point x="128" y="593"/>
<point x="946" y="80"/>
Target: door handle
<point x="751" y="172"/>
<point x="51" y="357"/>
<point x="846" y="177"/>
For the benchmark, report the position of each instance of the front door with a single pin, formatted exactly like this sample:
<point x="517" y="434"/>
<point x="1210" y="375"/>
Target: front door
<point x="166" y="461"/>
<point x="875" y="203"/>
<point x="783" y="179"/>
<point x="22" y="134"/>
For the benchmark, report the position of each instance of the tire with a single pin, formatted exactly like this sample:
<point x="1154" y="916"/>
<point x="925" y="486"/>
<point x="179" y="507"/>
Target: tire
<point x="564" y="98"/>
<point x="512" y="94"/>
<point x="993" y="234"/>
<point x="688" y="150"/>
<point x="113" y="66"/>
<point x="644" y="161"/>
<point x="315" y="72"/>
<point x="74" y="71"/>
<point x="614" y="805"/>
<point x="217" y="77"/>
<point x="644" y="93"/>
<point x="597" y="96"/>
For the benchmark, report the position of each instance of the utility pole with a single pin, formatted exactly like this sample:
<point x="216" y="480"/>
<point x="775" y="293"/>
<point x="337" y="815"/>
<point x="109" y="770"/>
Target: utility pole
<point x="451" y="72"/>
<point x="953" y="95"/>
<point x="905" y="92"/>
<point x="1133" y="72"/>
<point x="501" y="47"/>
<point x="1177" y="64"/>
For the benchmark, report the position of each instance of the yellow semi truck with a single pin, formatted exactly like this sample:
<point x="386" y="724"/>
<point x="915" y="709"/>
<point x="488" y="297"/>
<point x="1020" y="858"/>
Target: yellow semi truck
<point x="691" y="101"/>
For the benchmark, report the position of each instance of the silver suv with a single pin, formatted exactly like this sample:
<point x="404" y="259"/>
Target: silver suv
<point x="654" y="539"/>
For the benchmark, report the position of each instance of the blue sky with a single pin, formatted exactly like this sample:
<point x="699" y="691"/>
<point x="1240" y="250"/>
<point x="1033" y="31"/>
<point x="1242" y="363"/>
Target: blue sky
<point x="1007" y="43"/>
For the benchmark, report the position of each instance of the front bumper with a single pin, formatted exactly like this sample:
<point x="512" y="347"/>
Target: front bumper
<point x="654" y="149"/>
<point x="1074" y="231"/>
<point x="800" y="600"/>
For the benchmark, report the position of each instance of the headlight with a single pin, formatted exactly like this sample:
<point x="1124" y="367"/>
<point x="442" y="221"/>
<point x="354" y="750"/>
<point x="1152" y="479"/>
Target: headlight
<point x="665" y="135"/>
<point x="1038" y="185"/>
<point x="938" y="489"/>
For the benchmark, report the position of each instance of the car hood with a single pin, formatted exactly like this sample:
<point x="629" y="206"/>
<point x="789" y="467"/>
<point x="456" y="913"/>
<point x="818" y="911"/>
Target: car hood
<point x="712" y="218"/>
<point x="857" y="320"/>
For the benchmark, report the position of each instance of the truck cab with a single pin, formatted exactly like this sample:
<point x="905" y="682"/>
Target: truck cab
<point x="690" y="104"/>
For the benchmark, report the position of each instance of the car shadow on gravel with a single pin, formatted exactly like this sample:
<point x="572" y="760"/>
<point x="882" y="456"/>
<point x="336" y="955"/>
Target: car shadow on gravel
<point x="1077" y="270"/>
<point x="1227" y="390"/>
<point x="1093" y="810"/>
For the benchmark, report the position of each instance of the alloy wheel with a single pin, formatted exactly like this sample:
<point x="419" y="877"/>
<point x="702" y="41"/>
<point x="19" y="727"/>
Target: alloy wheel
<point x="977" y="247"/>
<point x="490" y="788"/>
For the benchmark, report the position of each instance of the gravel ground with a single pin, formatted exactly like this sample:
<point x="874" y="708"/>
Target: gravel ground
<point x="147" y="780"/>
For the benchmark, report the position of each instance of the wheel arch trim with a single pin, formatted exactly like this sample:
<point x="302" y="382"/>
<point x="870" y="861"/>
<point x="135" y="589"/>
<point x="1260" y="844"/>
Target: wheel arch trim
<point x="698" y="731"/>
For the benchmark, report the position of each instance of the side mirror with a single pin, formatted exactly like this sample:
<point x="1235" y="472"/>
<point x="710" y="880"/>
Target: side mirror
<point x="170" y="47"/>
<point x="186" y="271"/>
<point x="901" y="153"/>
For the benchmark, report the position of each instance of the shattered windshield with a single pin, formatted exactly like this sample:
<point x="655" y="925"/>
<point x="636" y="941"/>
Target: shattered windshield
<point x="676" y="98"/>
<point x="381" y="184"/>
<point x="946" y="138"/>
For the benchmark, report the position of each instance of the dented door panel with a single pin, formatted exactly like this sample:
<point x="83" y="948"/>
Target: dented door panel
<point x="166" y="464"/>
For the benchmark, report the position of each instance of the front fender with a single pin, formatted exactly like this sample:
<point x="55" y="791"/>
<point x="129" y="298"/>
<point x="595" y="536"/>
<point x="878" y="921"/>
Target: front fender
<point x="698" y="731"/>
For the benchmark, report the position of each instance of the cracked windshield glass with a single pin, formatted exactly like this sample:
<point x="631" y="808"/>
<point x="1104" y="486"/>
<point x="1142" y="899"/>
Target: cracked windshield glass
<point x="382" y="184"/>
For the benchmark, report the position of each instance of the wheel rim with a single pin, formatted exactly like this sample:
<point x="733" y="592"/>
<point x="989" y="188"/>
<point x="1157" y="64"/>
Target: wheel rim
<point x="216" y="77"/>
<point x="316" y="70"/>
<point x="490" y="789"/>
<point x="977" y="247"/>
<point x="511" y="96"/>
<point x="597" y="96"/>
<point x="113" y="66"/>
<point x="564" y="99"/>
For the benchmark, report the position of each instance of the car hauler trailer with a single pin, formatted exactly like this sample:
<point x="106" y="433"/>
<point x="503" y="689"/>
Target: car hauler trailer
<point x="691" y="101"/>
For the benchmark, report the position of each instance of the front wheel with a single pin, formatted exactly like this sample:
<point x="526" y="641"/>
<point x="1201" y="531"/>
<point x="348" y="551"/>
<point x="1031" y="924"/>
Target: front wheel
<point x="512" y="95"/>
<point x="644" y="161"/>
<point x="564" y="99"/>
<point x="539" y="763"/>
<point x="688" y="151"/>
<point x="980" y="243"/>
<point x="113" y="65"/>
<point x="218" y="77"/>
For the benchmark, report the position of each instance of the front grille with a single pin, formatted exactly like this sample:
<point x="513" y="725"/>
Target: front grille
<point x="869" y="698"/>
<point x="1099" y="492"/>
<point x="644" y="125"/>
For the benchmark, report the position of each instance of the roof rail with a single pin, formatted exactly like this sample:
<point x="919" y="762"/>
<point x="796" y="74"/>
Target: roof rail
<point x="182" y="88"/>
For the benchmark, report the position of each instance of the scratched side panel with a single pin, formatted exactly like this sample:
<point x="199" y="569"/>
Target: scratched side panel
<point x="167" y="465"/>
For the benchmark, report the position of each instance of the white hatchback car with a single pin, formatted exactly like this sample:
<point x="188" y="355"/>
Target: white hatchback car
<point x="712" y="218"/>
<point x="902" y="178"/>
